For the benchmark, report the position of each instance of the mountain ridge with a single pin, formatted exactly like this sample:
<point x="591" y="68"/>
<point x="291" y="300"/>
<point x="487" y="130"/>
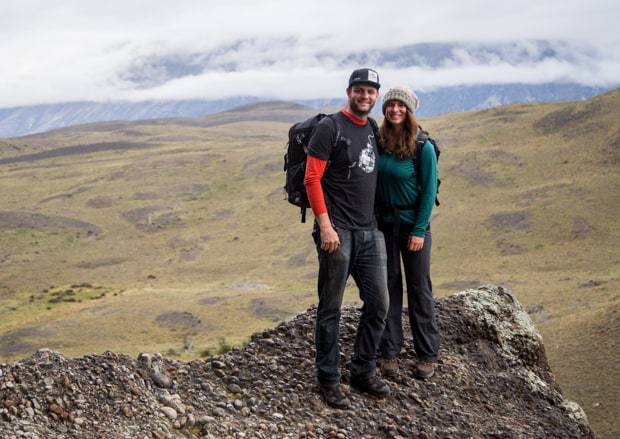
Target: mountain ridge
<point x="26" y="120"/>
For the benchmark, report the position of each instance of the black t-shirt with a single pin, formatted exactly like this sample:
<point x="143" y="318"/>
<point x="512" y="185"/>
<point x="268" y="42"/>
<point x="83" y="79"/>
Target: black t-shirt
<point x="350" y="179"/>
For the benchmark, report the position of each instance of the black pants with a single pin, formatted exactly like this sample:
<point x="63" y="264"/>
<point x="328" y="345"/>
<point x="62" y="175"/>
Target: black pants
<point x="420" y="301"/>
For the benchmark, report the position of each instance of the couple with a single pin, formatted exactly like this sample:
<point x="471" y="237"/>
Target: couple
<point x="356" y="235"/>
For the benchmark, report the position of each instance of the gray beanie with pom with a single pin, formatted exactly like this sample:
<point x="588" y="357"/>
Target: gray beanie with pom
<point x="403" y="94"/>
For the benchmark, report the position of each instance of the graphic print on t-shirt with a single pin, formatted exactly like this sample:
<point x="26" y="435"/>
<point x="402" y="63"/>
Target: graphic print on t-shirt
<point x="367" y="158"/>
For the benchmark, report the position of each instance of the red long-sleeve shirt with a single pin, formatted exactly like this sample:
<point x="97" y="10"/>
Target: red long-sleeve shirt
<point x="315" y="168"/>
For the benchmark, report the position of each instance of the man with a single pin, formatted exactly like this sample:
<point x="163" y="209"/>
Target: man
<point x="348" y="242"/>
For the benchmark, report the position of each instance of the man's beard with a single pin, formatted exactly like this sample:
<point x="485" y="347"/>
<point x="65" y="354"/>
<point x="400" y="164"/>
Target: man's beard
<point x="356" y="111"/>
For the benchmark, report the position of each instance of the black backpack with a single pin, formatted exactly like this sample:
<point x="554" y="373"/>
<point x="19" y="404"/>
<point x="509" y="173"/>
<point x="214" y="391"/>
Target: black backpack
<point x="423" y="136"/>
<point x="295" y="161"/>
<point x="295" y="158"/>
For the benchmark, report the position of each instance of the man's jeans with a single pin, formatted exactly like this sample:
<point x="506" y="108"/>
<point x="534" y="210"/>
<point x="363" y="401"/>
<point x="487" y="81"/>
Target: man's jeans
<point x="362" y="255"/>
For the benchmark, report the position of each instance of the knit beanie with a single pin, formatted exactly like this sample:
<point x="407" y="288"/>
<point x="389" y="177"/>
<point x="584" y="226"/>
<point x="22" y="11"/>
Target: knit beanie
<point x="403" y="94"/>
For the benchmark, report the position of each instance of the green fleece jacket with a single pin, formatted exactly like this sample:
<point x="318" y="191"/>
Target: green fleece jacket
<point x="398" y="185"/>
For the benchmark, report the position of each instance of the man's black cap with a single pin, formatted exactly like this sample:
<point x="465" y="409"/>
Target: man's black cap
<point x="365" y="76"/>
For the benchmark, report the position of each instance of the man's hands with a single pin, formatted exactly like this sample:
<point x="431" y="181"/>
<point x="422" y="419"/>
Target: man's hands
<point x="329" y="237"/>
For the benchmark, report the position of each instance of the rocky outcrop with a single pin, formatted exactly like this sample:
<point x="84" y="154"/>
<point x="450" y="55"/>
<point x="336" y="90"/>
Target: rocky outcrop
<point x="492" y="381"/>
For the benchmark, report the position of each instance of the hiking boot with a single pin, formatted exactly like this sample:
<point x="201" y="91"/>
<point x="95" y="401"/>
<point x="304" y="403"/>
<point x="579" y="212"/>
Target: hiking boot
<point x="371" y="384"/>
<point x="424" y="370"/>
<point x="334" y="396"/>
<point x="389" y="367"/>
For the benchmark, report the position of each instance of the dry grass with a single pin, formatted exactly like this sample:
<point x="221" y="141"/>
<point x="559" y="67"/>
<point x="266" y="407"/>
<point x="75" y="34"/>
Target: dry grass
<point x="191" y="241"/>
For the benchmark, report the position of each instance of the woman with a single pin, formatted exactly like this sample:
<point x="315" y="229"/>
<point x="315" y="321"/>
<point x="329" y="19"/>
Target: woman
<point x="404" y="205"/>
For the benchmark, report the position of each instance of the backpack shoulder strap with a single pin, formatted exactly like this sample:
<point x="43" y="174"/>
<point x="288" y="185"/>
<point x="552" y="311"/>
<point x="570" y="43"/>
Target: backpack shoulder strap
<point x="422" y="137"/>
<point x="339" y="130"/>
<point x="375" y="126"/>
<point x="420" y="140"/>
<point x="337" y="125"/>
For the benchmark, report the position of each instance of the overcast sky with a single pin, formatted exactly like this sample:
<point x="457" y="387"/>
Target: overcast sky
<point x="97" y="50"/>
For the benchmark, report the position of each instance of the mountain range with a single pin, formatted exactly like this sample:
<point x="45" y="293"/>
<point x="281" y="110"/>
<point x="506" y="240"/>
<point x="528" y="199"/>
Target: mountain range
<point x="21" y="121"/>
<point x="155" y="71"/>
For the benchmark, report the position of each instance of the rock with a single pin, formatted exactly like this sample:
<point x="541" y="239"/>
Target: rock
<point x="492" y="379"/>
<point x="169" y="412"/>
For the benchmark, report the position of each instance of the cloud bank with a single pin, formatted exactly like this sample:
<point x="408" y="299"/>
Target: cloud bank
<point x="71" y="50"/>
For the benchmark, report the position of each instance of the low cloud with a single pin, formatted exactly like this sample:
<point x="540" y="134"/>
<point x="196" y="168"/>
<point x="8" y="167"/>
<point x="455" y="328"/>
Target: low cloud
<point x="90" y="51"/>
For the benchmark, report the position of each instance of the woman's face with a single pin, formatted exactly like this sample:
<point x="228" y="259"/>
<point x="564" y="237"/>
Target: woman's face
<point x="395" y="112"/>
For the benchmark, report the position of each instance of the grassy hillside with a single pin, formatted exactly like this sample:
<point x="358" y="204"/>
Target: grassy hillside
<point x="173" y="235"/>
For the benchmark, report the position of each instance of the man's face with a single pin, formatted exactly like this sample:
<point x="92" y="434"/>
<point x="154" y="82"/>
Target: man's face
<point x="362" y="98"/>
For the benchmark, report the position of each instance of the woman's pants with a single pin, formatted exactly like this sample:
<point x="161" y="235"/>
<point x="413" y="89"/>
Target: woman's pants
<point x="420" y="301"/>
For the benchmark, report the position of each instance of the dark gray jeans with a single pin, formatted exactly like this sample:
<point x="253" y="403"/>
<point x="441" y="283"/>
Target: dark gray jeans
<point x="361" y="255"/>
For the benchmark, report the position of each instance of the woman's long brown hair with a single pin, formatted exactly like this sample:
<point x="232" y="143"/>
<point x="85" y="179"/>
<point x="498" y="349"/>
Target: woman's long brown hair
<point x="401" y="144"/>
